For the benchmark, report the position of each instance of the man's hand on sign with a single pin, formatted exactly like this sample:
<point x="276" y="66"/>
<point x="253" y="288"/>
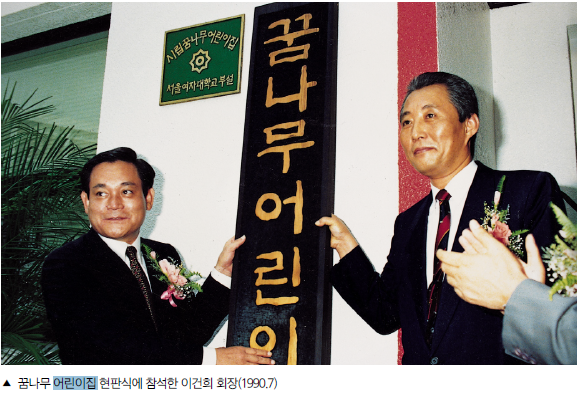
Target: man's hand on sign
<point x="341" y="238"/>
<point x="226" y="258"/>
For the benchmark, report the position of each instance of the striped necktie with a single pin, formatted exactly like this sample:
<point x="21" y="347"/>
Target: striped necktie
<point x="139" y="274"/>
<point x="440" y="243"/>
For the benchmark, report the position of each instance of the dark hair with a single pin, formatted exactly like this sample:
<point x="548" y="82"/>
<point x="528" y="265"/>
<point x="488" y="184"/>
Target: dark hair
<point x="461" y="94"/>
<point x="128" y="155"/>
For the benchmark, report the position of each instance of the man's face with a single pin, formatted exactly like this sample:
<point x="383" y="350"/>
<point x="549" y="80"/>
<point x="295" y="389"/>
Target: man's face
<point x="433" y="139"/>
<point x="115" y="204"/>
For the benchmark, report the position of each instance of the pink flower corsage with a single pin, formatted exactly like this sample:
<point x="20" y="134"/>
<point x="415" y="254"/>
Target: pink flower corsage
<point x="495" y="223"/>
<point x="181" y="282"/>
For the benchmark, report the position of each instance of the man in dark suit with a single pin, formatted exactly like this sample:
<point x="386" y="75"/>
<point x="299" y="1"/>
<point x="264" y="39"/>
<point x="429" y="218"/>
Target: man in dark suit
<point x="439" y="120"/>
<point x="537" y="328"/>
<point x="102" y="295"/>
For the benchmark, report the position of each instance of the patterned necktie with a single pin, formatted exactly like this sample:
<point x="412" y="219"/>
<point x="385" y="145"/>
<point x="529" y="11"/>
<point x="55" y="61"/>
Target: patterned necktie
<point x="440" y="243"/>
<point x="139" y="274"/>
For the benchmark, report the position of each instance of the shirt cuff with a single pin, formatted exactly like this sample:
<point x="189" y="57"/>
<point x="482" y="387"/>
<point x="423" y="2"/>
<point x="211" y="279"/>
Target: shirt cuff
<point x="209" y="356"/>
<point x="221" y="278"/>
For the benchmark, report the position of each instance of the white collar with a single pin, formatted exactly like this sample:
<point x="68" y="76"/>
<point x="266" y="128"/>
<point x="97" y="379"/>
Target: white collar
<point x="459" y="186"/>
<point x="120" y="247"/>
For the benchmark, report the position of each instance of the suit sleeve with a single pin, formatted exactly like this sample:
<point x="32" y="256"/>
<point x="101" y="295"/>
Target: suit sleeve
<point x="536" y="329"/>
<point x="201" y="315"/>
<point x="373" y="296"/>
<point x="196" y="318"/>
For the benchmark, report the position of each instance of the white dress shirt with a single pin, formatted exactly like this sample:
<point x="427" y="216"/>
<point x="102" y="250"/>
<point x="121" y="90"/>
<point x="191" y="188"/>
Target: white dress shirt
<point x="458" y="188"/>
<point x="120" y="248"/>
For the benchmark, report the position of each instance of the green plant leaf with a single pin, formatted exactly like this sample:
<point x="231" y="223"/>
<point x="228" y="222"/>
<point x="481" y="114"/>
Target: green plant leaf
<point x="499" y="187"/>
<point x="41" y="211"/>
<point x="568" y="226"/>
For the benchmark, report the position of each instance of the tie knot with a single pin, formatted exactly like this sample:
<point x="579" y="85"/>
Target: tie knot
<point x="131" y="252"/>
<point x="442" y="195"/>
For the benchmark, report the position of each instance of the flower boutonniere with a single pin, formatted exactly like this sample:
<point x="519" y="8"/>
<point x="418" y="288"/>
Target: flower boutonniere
<point x="560" y="257"/>
<point x="495" y="223"/>
<point x="181" y="282"/>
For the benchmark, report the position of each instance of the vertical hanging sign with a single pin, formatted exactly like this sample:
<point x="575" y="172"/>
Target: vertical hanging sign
<point x="281" y="292"/>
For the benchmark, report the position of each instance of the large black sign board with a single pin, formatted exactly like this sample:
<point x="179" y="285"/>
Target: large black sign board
<point x="281" y="292"/>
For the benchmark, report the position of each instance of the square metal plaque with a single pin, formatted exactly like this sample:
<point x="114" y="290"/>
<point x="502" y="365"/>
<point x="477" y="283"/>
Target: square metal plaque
<point x="202" y="61"/>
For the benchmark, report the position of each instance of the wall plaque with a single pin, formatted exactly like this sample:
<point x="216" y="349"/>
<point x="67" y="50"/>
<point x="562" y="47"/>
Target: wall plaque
<point x="281" y="293"/>
<point x="202" y="61"/>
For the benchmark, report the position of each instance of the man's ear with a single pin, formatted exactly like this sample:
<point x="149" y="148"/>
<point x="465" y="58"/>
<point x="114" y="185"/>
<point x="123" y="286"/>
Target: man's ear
<point x="471" y="126"/>
<point x="85" y="200"/>
<point x="150" y="198"/>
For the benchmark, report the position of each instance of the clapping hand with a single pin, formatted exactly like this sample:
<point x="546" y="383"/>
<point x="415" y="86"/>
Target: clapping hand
<point x="487" y="273"/>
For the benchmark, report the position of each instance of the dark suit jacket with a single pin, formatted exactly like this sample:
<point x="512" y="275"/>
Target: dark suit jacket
<point x="397" y="298"/>
<point x="99" y="314"/>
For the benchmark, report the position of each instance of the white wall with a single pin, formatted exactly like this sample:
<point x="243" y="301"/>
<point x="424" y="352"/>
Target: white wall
<point x="366" y="161"/>
<point x="464" y="49"/>
<point x="532" y="89"/>
<point x="196" y="146"/>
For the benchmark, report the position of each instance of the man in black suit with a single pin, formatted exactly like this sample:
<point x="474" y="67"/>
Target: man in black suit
<point x="103" y="299"/>
<point x="537" y="328"/>
<point x="439" y="120"/>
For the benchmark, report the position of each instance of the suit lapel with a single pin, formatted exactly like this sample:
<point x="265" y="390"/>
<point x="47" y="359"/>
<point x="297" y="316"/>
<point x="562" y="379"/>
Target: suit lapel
<point x="105" y="262"/>
<point x="417" y="255"/>
<point x="157" y="286"/>
<point x="115" y="276"/>
<point x="482" y="189"/>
